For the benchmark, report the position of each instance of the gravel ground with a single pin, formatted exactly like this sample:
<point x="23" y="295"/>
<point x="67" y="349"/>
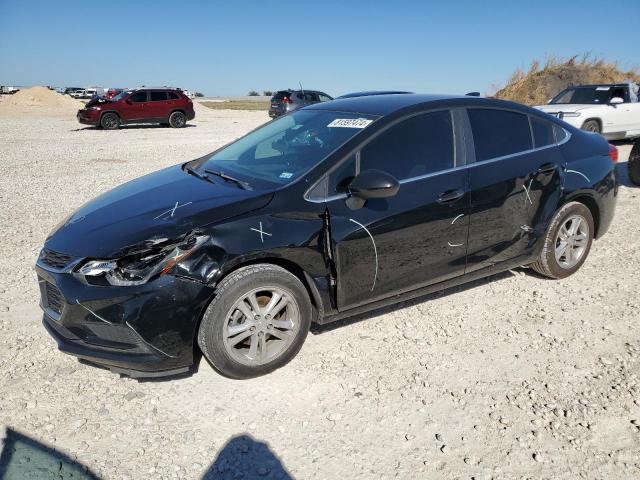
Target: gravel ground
<point x="509" y="377"/>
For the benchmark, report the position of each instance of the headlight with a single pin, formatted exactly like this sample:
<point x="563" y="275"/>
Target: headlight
<point x="93" y="108"/>
<point x="139" y="268"/>
<point x="570" y="114"/>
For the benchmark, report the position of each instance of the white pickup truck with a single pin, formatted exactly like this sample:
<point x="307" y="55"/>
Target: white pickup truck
<point x="612" y="110"/>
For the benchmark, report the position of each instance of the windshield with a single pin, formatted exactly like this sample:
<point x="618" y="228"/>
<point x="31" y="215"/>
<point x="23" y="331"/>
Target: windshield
<point x="587" y="95"/>
<point x="121" y="95"/>
<point x="286" y="148"/>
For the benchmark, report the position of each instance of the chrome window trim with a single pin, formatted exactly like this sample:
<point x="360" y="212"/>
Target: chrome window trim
<point x="341" y="196"/>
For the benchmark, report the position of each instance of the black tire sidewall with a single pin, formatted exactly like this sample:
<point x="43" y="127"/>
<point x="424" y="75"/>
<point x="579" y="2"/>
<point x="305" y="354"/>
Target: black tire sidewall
<point x="573" y="208"/>
<point x="175" y="114"/>
<point x="633" y="164"/>
<point x="210" y="335"/>
<point x="107" y="115"/>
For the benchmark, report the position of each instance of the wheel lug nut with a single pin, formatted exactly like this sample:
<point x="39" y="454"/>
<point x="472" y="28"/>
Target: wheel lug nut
<point x="269" y="326"/>
<point x="252" y="329"/>
<point x="257" y="317"/>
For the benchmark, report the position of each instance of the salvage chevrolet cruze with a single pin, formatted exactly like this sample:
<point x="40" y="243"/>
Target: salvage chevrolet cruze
<point x="332" y="210"/>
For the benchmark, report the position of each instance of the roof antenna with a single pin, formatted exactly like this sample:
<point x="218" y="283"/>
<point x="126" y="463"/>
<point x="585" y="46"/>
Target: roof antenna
<point x="301" y="89"/>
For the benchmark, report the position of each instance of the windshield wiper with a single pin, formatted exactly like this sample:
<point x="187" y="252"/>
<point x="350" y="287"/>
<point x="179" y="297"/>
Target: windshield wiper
<point x="196" y="173"/>
<point x="229" y="178"/>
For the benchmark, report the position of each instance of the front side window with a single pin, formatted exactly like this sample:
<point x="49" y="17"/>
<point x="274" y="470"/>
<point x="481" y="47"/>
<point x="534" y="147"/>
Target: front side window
<point x="285" y="149"/>
<point x="417" y="146"/>
<point x="138" y="97"/>
<point x="497" y="133"/>
<point x="324" y="98"/>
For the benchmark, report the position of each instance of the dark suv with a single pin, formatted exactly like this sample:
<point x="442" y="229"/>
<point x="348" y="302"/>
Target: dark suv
<point x="166" y="106"/>
<point x="286" y="101"/>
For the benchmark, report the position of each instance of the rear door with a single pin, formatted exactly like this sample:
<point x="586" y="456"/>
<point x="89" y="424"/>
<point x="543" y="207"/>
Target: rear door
<point x="158" y="105"/>
<point x="515" y="184"/>
<point x="415" y="238"/>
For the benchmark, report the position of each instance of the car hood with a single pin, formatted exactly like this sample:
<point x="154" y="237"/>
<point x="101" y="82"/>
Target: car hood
<point x="97" y="101"/>
<point x="165" y="204"/>
<point x="569" y="107"/>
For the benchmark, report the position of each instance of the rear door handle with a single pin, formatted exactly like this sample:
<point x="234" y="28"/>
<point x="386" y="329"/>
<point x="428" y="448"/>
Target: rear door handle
<point x="547" y="168"/>
<point x="450" y="196"/>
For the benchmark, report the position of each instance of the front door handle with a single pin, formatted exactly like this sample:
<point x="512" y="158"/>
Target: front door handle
<point x="450" y="196"/>
<point x="547" y="168"/>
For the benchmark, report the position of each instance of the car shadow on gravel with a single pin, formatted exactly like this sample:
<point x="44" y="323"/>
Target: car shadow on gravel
<point x="320" y="329"/>
<point x="23" y="457"/>
<point x="142" y="126"/>
<point x="247" y="458"/>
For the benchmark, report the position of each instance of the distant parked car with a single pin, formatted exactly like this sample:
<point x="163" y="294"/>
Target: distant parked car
<point x="146" y="105"/>
<point x="9" y="90"/>
<point x="633" y="164"/>
<point x="286" y="101"/>
<point x="612" y="110"/>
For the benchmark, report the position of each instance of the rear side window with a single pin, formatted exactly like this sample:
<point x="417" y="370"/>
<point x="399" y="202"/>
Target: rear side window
<point x="139" y="97"/>
<point x="158" y="96"/>
<point x="416" y="146"/>
<point x="497" y="133"/>
<point x="173" y="96"/>
<point x="560" y="133"/>
<point x="542" y="132"/>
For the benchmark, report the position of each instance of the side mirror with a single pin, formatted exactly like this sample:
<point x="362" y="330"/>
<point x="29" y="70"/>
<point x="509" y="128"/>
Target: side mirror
<point x="616" y="101"/>
<point x="371" y="184"/>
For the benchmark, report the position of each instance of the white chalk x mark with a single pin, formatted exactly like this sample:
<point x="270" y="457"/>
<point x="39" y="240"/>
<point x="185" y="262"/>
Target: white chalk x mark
<point x="527" y="190"/>
<point x="172" y="210"/>
<point x="458" y="217"/>
<point x="261" y="232"/>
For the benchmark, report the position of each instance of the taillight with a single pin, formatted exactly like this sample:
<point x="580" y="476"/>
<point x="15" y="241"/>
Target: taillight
<point x="286" y="100"/>
<point x="613" y="153"/>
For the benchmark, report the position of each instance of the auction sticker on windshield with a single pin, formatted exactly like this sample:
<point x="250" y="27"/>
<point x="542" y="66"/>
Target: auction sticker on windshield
<point x="350" y="122"/>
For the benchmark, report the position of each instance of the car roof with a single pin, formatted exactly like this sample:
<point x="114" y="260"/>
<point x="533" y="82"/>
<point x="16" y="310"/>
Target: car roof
<point x="373" y="92"/>
<point x="382" y="104"/>
<point x="591" y="85"/>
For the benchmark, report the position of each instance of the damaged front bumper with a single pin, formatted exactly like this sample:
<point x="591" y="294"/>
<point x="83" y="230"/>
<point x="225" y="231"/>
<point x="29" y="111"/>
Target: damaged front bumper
<point x="144" y="330"/>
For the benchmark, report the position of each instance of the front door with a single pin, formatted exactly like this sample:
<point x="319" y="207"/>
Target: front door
<point x="415" y="238"/>
<point x="514" y="185"/>
<point x="134" y="106"/>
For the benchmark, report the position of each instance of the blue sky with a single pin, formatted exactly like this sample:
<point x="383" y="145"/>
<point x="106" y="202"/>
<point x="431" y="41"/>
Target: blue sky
<point x="231" y="47"/>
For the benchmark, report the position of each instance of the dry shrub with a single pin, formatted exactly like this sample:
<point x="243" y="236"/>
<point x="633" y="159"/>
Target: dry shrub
<point x="538" y="85"/>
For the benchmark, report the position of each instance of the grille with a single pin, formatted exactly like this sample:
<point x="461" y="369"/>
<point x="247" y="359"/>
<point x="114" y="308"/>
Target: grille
<point x="55" y="259"/>
<point x="54" y="298"/>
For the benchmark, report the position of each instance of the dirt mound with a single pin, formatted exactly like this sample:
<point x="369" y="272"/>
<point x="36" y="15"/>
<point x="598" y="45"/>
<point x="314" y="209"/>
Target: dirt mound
<point x="38" y="98"/>
<point x="541" y="83"/>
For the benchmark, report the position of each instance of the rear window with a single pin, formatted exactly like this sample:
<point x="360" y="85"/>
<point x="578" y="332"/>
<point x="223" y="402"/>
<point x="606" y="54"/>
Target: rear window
<point x="542" y="132"/>
<point x="497" y="133"/>
<point x="158" y="96"/>
<point x="281" y="95"/>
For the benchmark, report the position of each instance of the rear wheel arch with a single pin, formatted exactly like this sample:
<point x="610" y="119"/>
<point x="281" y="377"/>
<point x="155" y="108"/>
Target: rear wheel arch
<point x="592" y="205"/>
<point x="181" y="110"/>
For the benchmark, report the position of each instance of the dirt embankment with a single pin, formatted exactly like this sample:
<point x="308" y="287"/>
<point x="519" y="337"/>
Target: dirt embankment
<point x="542" y="82"/>
<point x="39" y="100"/>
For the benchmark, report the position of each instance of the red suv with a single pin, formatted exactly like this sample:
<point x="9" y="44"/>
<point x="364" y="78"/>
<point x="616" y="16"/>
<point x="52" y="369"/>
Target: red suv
<point x="166" y="106"/>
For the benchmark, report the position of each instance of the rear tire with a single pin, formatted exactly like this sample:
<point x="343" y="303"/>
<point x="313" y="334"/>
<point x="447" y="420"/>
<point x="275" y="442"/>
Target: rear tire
<point x="256" y="323"/>
<point x="633" y="164"/>
<point x="567" y="242"/>
<point x="177" y="119"/>
<point x="110" y="121"/>
<point x="591" y="126"/>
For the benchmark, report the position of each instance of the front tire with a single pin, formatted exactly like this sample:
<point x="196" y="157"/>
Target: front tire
<point x="567" y="242"/>
<point x="256" y="323"/>
<point x="177" y="119"/>
<point x="110" y="121"/>
<point x="591" y="126"/>
<point x="633" y="164"/>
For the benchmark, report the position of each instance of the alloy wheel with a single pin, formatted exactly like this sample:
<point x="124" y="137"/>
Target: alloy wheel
<point x="571" y="242"/>
<point x="261" y="326"/>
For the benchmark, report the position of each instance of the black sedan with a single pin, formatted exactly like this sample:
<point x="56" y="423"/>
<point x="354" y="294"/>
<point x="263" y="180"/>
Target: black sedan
<point x="335" y="209"/>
